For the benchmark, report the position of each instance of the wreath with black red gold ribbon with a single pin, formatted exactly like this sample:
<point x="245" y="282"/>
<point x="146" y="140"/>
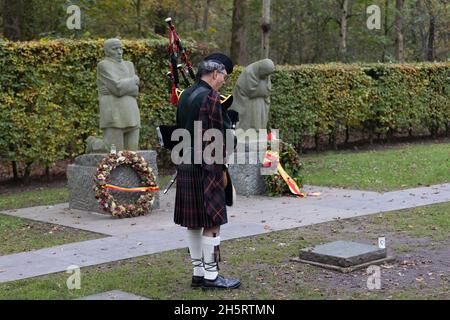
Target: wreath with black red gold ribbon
<point x="101" y="187"/>
<point x="287" y="180"/>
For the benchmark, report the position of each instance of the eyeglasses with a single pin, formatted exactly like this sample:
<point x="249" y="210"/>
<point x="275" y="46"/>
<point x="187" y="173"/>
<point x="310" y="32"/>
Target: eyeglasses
<point x="225" y="76"/>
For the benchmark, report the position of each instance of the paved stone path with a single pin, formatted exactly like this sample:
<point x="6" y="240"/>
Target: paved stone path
<point x="127" y="238"/>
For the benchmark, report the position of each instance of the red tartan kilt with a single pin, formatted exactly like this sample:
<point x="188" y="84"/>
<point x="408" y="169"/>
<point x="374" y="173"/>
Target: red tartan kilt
<point x="189" y="201"/>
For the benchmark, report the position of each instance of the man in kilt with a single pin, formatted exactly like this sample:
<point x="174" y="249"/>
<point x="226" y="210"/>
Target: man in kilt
<point x="200" y="203"/>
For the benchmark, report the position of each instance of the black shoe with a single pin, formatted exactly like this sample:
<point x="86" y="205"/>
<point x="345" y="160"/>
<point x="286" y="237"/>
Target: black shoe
<point x="220" y="283"/>
<point x="197" y="282"/>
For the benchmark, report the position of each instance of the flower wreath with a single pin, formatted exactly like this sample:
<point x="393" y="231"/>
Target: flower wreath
<point x="290" y="161"/>
<point x="101" y="187"/>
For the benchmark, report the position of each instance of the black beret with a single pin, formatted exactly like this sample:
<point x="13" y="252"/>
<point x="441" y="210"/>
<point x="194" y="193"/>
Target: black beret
<point x="223" y="59"/>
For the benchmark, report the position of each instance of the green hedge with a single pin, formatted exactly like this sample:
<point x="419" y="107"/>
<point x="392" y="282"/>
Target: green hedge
<point x="375" y="98"/>
<point x="48" y="97"/>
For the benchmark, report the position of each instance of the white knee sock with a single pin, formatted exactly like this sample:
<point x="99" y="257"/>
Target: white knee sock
<point x="194" y="238"/>
<point x="209" y="259"/>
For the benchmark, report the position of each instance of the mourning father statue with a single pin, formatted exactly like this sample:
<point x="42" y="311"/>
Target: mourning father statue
<point x="120" y="121"/>
<point x="118" y="88"/>
<point x="252" y="95"/>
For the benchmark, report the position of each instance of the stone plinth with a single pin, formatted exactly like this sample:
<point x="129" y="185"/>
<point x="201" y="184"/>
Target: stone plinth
<point x="245" y="168"/>
<point x="247" y="179"/>
<point x="344" y="256"/>
<point x="80" y="178"/>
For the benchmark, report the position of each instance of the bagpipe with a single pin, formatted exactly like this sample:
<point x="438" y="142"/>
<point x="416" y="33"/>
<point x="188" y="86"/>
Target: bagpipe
<point x="187" y="73"/>
<point x="175" y="49"/>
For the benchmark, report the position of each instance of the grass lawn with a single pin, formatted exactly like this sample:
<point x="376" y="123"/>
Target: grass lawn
<point x="388" y="169"/>
<point x="18" y="234"/>
<point x="39" y="197"/>
<point x="262" y="262"/>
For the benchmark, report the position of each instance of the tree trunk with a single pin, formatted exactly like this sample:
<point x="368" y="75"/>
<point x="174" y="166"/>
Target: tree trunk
<point x="12" y="19"/>
<point x="238" y="50"/>
<point x="431" y="36"/>
<point x="138" y="18"/>
<point x="160" y="26"/>
<point x="27" y="172"/>
<point x="333" y="140"/>
<point x="15" y="172"/>
<point x="317" y="141"/>
<point x="265" y="26"/>
<point x="343" y="31"/>
<point x="421" y="12"/>
<point x="299" y="32"/>
<point x="371" y="134"/>
<point x="399" y="52"/>
<point x="47" y="173"/>
<point x="386" y="29"/>
<point x="205" y="15"/>
<point x="390" y="135"/>
<point x="347" y="134"/>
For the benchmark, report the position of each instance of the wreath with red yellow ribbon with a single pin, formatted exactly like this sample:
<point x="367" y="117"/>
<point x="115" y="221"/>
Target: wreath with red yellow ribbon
<point x="102" y="186"/>
<point x="287" y="180"/>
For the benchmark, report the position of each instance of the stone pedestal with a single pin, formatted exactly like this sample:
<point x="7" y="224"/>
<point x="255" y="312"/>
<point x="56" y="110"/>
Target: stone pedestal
<point x="80" y="178"/>
<point x="245" y="169"/>
<point x="247" y="179"/>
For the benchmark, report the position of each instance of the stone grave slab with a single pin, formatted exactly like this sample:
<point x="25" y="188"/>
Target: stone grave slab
<point x="344" y="256"/>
